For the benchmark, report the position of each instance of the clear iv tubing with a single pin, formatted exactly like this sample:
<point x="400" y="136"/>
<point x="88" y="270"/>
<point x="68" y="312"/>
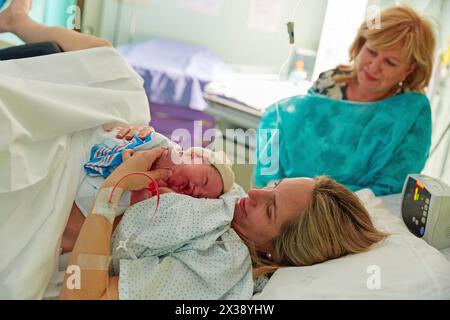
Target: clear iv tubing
<point x="283" y="66"/>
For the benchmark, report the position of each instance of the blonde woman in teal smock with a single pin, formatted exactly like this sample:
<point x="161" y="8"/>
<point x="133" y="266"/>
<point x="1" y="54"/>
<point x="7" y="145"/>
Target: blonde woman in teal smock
<point x="367" y="125"/>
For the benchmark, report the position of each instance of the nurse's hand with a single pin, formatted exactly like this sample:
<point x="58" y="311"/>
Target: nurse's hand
<point x="129" y="132"/>
<point x="138" y="163"/>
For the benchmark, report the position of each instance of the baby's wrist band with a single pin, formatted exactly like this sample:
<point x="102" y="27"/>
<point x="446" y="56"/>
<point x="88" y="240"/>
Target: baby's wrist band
<point x="105" y="203"/>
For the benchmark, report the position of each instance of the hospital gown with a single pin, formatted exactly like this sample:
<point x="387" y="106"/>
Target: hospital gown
<point x="371" y="145"/>
<point x="186" y="251"/>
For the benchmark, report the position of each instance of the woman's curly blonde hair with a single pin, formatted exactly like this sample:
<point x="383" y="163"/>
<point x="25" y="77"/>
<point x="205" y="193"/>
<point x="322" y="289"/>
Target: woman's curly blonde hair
<point x="400" y="26"/>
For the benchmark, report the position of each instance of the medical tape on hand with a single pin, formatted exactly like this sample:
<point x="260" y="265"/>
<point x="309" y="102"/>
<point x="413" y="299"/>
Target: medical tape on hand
<point x="105" y="204"/>
<point x="93" y="262"/>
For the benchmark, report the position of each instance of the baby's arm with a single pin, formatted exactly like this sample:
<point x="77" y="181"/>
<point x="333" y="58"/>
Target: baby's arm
<point x="165" y="190"/>
<point x="144" y="194"/>
<point x="141" y="195"/>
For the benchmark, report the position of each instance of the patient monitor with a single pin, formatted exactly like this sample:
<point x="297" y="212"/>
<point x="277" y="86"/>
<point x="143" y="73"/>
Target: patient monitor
<point x="426" y="209"/>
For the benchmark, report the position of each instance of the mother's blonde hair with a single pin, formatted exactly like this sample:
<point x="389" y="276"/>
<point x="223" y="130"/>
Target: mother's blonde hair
<point x="400" y="26"/>
<point x="333" y="225"/>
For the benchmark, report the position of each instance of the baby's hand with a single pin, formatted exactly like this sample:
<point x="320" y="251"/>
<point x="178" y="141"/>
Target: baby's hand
<point x="162" y="183"/>
<point x="144" y="194"/>
<point x="141" y="195"/>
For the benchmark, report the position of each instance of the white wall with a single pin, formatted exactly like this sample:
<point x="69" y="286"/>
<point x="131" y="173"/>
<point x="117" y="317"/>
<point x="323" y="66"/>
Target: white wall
<point x="92" y="16"/>
<point x="432" y="9"/>
<point x="338" y="33"/>
<point x="445" y="23"/>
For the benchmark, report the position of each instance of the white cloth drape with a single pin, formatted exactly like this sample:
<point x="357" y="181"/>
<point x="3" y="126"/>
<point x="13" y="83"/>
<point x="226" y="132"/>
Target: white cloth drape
<point x="51" y="109"/>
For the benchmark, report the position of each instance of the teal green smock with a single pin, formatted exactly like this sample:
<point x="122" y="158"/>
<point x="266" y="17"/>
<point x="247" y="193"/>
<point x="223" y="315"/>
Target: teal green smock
<point x="361" y="145"/>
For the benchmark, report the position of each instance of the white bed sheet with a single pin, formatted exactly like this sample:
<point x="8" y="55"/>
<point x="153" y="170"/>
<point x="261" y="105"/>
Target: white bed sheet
<point x="255" y="91"/>
<point x="405" y="267"/>
<point x="394" y="204"/>
<point x="51" y="110"/>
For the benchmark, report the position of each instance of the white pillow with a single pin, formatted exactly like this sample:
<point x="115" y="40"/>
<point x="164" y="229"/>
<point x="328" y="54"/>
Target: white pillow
<point x="401" y="267"/>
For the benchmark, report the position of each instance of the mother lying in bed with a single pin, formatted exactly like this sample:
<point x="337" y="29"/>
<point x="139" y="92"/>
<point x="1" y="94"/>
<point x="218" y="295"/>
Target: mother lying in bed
<point x="209" y="248"/>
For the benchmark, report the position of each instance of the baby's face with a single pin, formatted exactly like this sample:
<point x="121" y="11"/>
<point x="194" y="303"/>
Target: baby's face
<point x="196" y="180"/>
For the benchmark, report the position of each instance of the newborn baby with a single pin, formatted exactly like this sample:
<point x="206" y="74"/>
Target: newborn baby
<point x="197" y="172"/>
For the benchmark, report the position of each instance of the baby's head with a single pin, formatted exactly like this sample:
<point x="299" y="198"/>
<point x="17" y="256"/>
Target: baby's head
<point x="203" y="174"/>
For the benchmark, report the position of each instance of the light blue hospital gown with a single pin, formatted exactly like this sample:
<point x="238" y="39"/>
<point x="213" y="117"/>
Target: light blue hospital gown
<point x="187" y="251"/>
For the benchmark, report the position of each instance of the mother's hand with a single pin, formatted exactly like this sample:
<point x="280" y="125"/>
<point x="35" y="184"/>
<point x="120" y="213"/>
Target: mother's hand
<point x="140" y="163"/>
<point x="129" y="132"/>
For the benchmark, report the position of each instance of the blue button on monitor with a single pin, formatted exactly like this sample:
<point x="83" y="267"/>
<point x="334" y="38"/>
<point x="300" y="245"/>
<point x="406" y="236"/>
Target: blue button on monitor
<point x="422" y="231"/>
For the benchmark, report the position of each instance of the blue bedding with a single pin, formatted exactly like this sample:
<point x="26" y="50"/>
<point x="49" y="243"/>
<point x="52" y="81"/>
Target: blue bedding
<point x="174" y="73"/>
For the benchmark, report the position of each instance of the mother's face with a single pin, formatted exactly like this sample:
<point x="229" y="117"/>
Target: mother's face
<point x="260" y="217"/>
<point x="378" y="71"/>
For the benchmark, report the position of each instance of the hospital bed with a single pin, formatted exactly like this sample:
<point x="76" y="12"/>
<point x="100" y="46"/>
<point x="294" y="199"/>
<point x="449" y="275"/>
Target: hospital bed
<point x="408" y="267"/>
<point x="62" y="131"/>
<point x="401" y="267"/>
<point x="241" y="99"/>
<point x="238" y="101"/>
<point x="411" y="268"/>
